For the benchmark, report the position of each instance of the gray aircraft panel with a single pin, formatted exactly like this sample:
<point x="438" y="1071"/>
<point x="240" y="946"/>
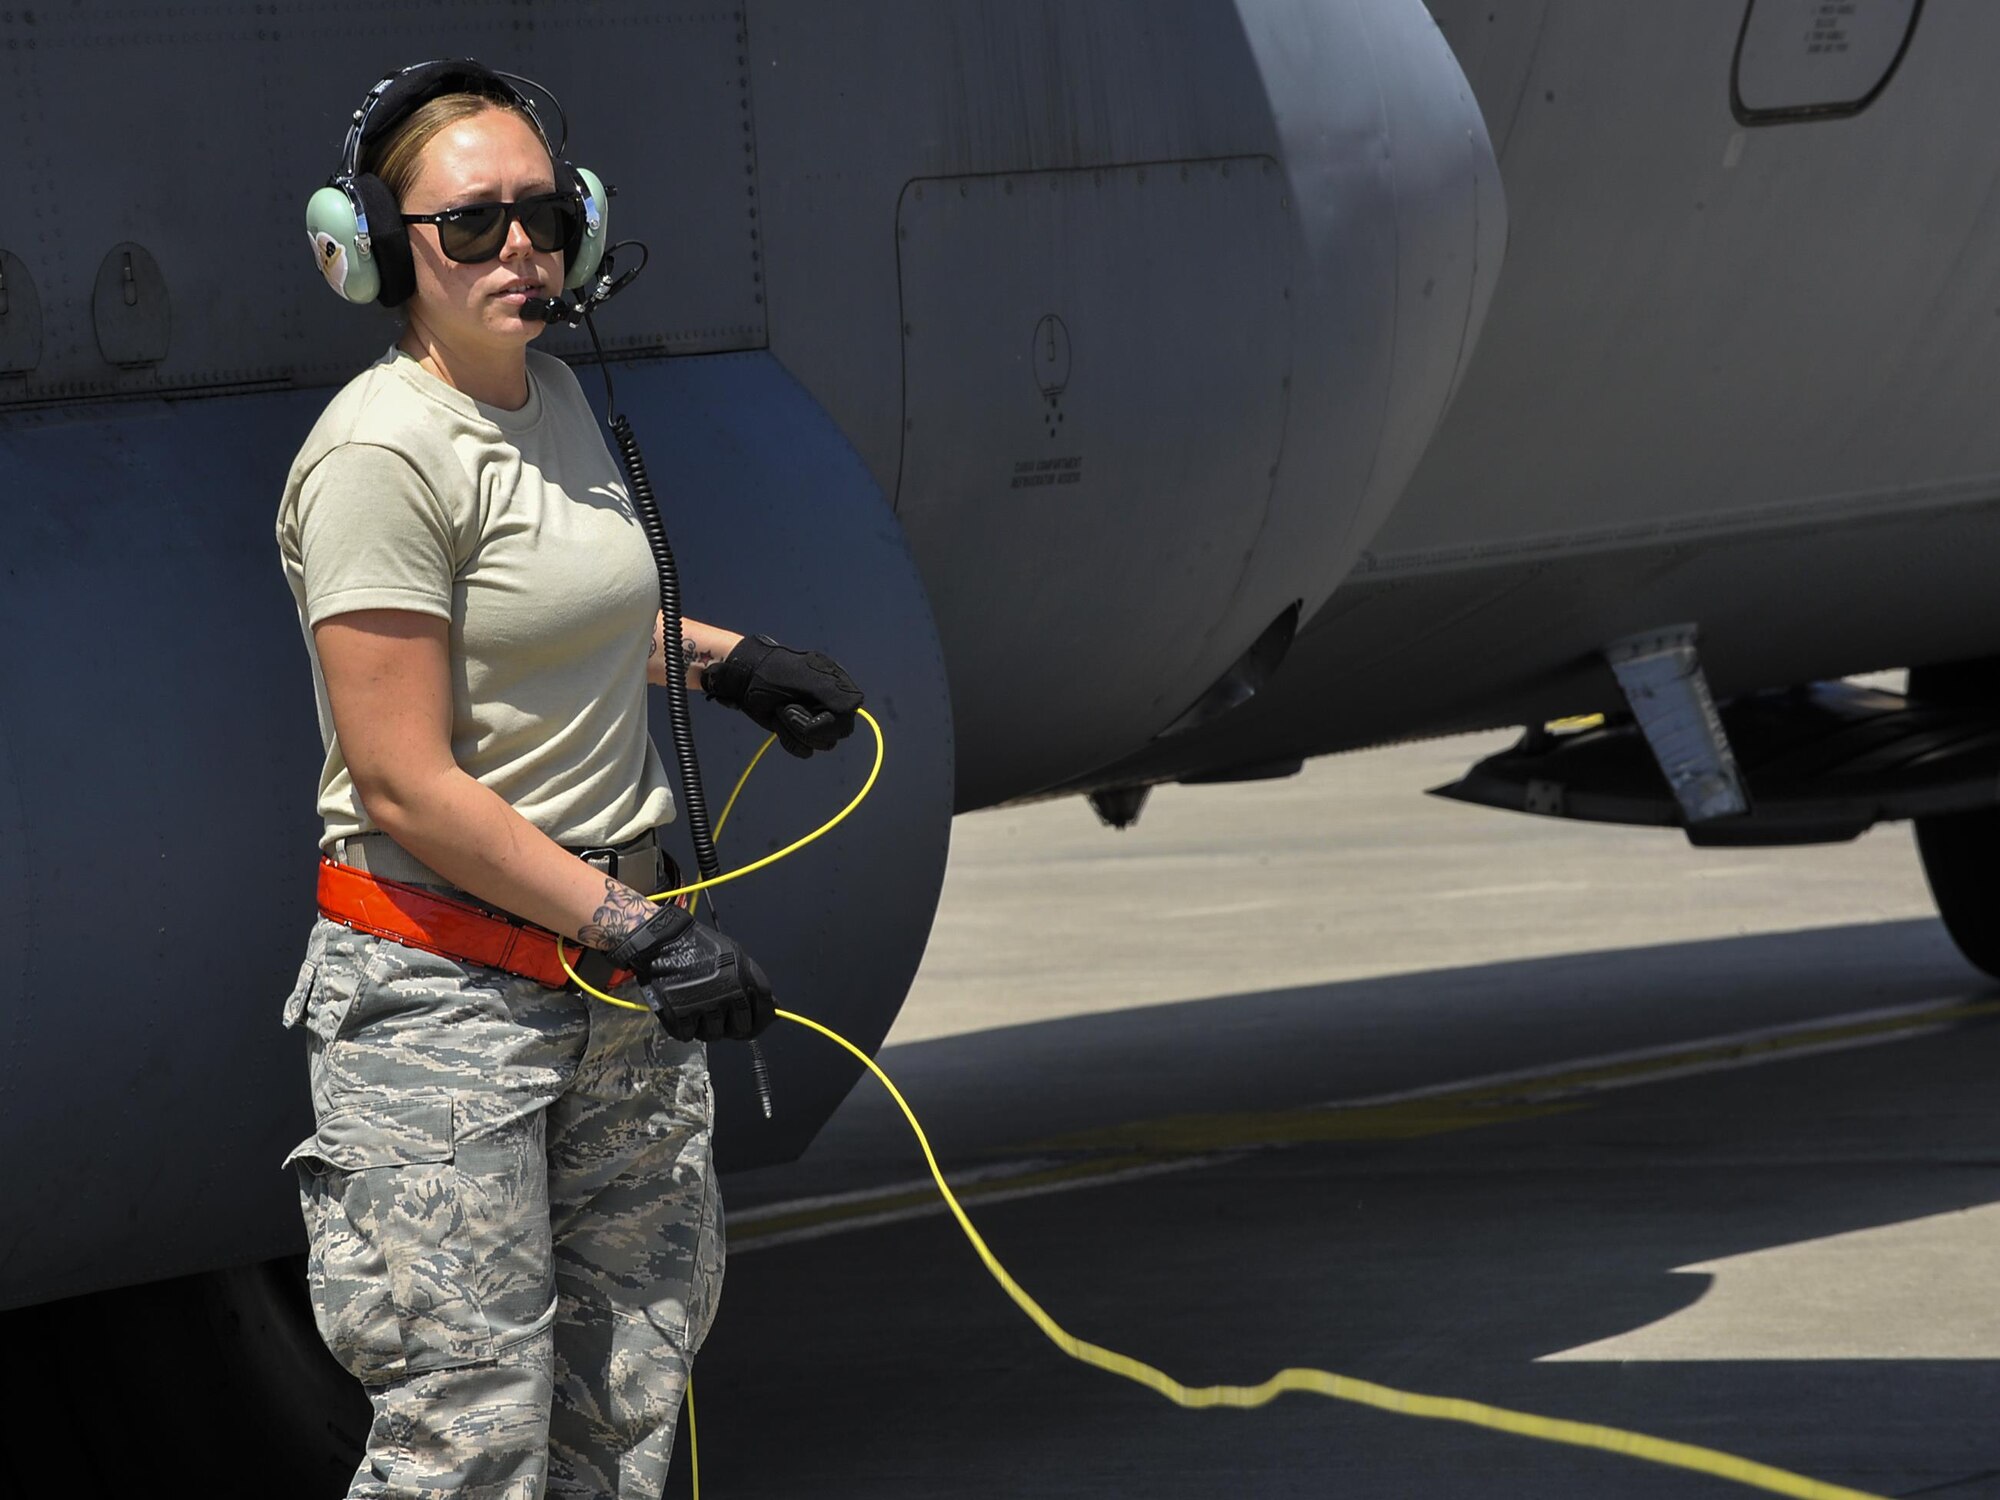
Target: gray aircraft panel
<point x="1494" y="44"/>
<point x="1397" y="226"/>
<point x="1452" y="232"/>
<point x="211" y="181"/>
<point x="1734" y="375"/>
<point x="1520" y="642"/>
<point x="1829" y="286"/>
<point x="1023" y="442"/>
<point x="965" y="88"/>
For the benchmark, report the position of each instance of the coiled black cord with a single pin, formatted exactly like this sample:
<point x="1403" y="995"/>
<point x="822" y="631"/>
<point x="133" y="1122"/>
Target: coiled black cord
<point x="694" y="801"/>
<point x="700" y="831"/>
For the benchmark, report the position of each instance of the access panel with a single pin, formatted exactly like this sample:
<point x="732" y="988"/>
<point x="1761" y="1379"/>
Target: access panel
<point x="1096" y="365"/>
<point x="1808" y="59"/>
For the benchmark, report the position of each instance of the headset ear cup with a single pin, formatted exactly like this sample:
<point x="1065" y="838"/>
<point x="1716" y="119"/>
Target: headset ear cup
<point x="330" y="224"/>
<point x="583" y="255"/>
<point x="390" y="240"/>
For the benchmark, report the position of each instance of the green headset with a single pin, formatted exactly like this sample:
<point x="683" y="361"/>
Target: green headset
<point x="359" y="241"/>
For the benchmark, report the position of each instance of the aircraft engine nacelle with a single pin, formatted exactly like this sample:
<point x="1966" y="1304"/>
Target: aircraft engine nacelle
<point x="158" y="757"/>
<point x="1166" y="350"/>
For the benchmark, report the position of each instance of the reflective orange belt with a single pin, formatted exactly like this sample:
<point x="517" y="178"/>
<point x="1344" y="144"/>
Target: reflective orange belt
<point x="423" y="919"/>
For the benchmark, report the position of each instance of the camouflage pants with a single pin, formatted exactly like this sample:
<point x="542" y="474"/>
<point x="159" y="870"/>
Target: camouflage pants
<point x="515" y="1237"/>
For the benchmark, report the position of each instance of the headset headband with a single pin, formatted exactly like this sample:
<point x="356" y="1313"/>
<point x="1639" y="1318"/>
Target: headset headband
<point x="400" y="95"/>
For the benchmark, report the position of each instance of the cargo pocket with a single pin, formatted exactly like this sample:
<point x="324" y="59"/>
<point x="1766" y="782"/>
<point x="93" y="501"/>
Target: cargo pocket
<point x="337" y="963"/>
<point x="302" y="988"/>
<point x="426" y="1252"/>
<point x="295" y="1003"/>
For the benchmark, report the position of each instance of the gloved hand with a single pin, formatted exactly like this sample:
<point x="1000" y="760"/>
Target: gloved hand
<point x="700" y="984"/>
<point x="803" y="697"/>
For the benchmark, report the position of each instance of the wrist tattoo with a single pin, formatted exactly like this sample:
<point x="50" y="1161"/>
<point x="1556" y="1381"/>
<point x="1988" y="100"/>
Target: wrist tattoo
<point x="695" y="657"/>
<point x="623" y="912"/>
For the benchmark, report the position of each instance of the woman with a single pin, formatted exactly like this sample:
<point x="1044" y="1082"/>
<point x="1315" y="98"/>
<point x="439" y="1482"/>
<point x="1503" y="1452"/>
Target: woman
<point x="515" y="1240"/>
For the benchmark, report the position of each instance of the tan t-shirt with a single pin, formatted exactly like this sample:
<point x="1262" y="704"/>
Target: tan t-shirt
<point x="515" y="527"/>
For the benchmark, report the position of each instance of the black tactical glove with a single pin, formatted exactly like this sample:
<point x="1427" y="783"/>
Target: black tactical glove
<point x="803" y="697"/>
<point x="700" y="984"/>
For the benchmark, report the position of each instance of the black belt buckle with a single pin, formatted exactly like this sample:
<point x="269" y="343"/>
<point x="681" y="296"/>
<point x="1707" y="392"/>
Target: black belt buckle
<point x="606" y="859"/>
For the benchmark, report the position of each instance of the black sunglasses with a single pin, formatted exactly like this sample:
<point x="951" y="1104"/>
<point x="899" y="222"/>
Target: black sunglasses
<point x="477" y="231"/>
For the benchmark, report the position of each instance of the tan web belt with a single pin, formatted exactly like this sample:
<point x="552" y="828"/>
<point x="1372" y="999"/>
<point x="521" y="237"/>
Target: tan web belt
<point x="642" y="864"/>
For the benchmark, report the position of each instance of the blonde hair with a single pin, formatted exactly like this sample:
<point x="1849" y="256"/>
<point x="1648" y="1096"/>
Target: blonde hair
<point x="396" y="157"/>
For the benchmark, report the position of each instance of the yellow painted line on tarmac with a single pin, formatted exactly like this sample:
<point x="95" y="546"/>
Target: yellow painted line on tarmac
<point x="1205" y="1134"/>
<point x="919" y="1199"/>
<point x="1506" y="1098"/>
<point x="1699" y="1057"/>
<point x="1140" y="1148"/>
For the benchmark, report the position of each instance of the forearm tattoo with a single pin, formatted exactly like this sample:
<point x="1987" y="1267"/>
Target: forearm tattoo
<point x="624" y="911"/>
<point x="696" y="658"/>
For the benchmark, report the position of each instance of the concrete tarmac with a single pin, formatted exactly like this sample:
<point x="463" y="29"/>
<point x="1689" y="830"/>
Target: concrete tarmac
<point x="1572" y="1120"/>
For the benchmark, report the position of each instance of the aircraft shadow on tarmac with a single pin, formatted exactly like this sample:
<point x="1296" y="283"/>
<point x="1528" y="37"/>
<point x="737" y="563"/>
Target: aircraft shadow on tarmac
<point x="1449" y="1245"/>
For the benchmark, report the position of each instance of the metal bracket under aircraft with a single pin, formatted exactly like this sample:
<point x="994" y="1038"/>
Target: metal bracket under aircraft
<point x="1821" y="763"/>
<point x="1661" y="677"/>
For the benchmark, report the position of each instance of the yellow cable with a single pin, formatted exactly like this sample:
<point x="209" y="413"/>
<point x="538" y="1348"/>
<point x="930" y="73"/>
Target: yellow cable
<point x="728" y="875"/>
<point x="796" y="844"/>
<point x="694" y="1442"/>
<point x="1343" y="1387"/>
<point x="730" y="806"/>
<point x="1294" y="1379"/>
